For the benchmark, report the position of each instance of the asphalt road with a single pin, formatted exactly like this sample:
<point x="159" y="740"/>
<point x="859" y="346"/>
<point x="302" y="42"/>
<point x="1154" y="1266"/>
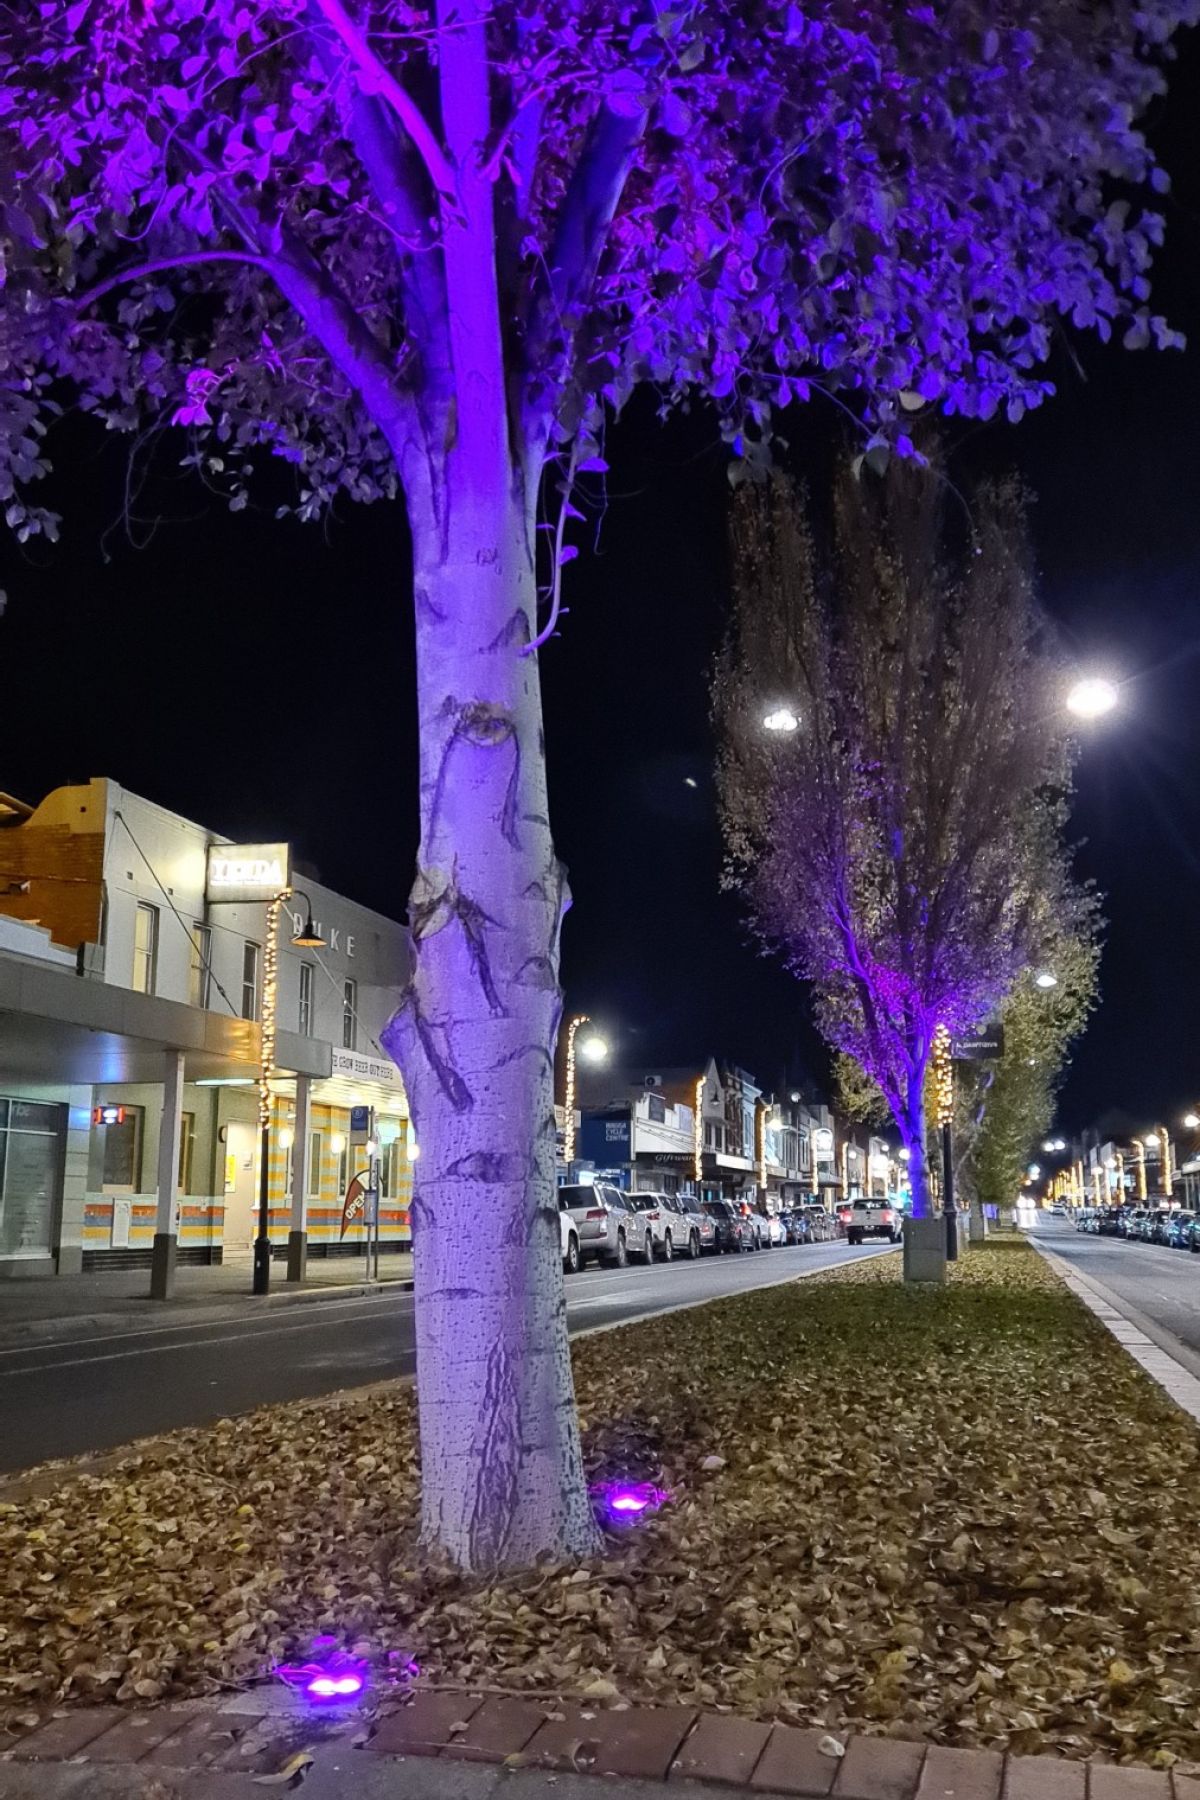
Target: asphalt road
<point x="1162" y="1286"/>
<point x="95" y="1391"/>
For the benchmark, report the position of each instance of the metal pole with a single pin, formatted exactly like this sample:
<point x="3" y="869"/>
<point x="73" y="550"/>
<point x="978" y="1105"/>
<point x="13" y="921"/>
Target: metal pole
<point x="949" y="1210"/>
<point x="262" y="1243"/>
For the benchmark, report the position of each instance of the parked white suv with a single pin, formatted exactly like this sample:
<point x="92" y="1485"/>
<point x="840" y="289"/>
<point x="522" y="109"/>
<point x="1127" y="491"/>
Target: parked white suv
<point x="673" y="1232"/>
<point x="606" y="1225"/>
<point x="873" y="1218"/>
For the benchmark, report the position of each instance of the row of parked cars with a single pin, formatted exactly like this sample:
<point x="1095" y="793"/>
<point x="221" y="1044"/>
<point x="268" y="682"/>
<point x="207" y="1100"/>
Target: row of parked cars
<point x="602" y="1223"/>
<point x="1176" y="1227"/>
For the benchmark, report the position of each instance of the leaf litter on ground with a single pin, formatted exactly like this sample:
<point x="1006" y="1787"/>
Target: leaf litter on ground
<point x="961" y="1514"/>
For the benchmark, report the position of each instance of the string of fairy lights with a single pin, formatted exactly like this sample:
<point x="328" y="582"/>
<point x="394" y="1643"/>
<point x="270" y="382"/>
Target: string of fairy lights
<point x="943" y="1077"/>
<point x="270" y="1001"/>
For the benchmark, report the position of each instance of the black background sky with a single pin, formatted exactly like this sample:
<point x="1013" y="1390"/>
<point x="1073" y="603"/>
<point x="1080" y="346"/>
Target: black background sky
<point x="257" y="677"/>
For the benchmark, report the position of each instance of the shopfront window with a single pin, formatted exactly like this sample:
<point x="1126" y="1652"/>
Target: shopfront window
<point x="123" y="1153"/>
<point x="187" y="1152"/>
<point x="30" y="1159"/>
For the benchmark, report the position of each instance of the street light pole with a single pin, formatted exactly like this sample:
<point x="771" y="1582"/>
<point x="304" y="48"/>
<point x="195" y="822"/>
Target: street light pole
<point x="943" y="1072"/>
<point x="261" y="1282"/>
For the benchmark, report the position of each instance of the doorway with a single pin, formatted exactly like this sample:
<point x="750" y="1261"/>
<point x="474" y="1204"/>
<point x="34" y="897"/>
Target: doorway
<point x="241" y="1186"/>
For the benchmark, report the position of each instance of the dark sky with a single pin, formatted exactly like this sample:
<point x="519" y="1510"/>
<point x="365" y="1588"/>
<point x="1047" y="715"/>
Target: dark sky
<point x="258" y="677"/>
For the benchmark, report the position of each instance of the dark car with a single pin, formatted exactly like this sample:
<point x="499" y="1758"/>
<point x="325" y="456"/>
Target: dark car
<point x="734" y="1230"/>
<point x="1179" y="1231"/>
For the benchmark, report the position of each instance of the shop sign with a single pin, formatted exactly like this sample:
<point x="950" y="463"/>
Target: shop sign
<point x="979" y="1046"/>
<point x="366" y="1068"/>
<point x="822" y="1139"/>
<point x="247" y="874"/>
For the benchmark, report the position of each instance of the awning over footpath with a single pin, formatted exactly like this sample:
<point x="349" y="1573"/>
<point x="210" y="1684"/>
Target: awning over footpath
<point x="59" y="1027"/>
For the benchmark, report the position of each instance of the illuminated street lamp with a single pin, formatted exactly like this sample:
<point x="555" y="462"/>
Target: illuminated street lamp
<point x="781" y="718"/>
<point x="1045" y="979"/>
<point x="1192" y="1121"/>
<point x="1092" y="697"/>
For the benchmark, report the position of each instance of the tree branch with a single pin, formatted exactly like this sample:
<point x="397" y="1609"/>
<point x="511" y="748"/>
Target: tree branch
<point x="379" y="79"/>
<point x="592" y="196"/>
<point x="162" y="263"/>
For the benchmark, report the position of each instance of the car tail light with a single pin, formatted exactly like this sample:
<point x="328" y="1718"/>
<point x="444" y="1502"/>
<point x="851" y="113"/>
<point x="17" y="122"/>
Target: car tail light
<point x="655" y="1216"/>
<point x="596" y="1215"/>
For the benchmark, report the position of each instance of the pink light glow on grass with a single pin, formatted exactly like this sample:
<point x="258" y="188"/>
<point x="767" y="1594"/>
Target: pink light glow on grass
<point x="626" y="1501"/>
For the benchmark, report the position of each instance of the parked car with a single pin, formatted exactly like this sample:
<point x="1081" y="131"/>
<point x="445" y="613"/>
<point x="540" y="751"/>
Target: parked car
<point x="775" y="1232"/>
<point x="696" y="1220"/>
<point x="823" y="1225"/>
<point x="572" y="1260"/>
<point x="1129" y="1220"/>
<point x="1179" y="1234"/>
<point x="873" y="1218"/>
<point x="670" y="1229"/>
<point x="733" y="1230"/>
<point x="795" y="1228"/>
<point x="1160" y="1225"/>
<point x="609" y="1230"/>
<point x="1058" y="1210"/>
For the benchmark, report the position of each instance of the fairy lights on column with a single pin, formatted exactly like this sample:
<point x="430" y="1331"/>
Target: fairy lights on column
<point x="270" y="999"/>
<point x="943" y="1077"/>
<point x="698" y="1135"/>
<point x="569" y="1122"/>
<point x="762" y="1148"/>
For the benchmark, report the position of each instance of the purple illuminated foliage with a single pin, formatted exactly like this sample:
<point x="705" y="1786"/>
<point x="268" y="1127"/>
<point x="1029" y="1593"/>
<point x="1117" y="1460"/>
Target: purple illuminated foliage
<point x="429" y="248"/>
<point x="899" y="849"/>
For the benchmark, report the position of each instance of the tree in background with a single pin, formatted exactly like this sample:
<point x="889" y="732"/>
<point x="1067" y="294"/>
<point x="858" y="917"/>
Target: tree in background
<point x="427" y="247"/>
<point x="1003" y="1110"/>
<point x="890" y="847"/>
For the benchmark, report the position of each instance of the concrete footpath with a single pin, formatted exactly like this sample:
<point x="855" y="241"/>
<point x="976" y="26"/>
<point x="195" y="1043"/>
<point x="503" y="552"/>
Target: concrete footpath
<point x="443" y="1744"/>
<point x="45" y="1311"/>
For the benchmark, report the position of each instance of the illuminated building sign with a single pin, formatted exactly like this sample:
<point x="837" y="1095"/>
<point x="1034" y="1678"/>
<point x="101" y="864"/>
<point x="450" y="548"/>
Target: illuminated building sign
<point x="108" y="1115"/>
<point x="823" y="1141"/>
<point x="248" y="873"/>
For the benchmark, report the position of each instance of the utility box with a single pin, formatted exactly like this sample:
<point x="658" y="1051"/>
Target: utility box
<point x="925" y="1249"/>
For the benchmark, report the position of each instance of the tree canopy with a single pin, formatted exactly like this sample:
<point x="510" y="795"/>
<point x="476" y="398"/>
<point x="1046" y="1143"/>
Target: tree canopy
<point x="235" y="214"/>
<point x="890" y="847"/>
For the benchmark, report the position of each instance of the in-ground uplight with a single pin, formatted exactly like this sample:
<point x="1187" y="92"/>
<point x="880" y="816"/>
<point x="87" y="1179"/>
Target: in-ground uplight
<point x="626" y="1501"/>
<point x="326" y="1679"/>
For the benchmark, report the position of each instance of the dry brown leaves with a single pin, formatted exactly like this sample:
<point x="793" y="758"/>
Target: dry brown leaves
<point x="962" y="1515"/>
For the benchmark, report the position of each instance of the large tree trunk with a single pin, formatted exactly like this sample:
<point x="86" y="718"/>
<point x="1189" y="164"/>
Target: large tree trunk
<point x="502" y="1474"/>
<point x="912" y="1130"/>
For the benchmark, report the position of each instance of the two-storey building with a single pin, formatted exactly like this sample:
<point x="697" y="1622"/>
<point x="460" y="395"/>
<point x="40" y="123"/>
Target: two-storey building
<point x="139" y="953"/>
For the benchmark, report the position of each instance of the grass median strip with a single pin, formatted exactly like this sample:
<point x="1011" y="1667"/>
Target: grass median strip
<point x="962" y="1515"/>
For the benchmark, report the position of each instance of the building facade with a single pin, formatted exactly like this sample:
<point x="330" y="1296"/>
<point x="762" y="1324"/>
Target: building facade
<point x="137" y="961"/>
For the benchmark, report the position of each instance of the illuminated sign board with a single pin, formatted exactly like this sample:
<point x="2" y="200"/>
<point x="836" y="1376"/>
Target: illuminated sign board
<point x="247" y="873"/>
<point x="822" y="1140"/>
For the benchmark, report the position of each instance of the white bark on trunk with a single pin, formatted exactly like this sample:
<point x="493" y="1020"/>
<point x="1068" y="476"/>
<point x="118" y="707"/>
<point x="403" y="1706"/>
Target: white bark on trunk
<point x="914" y="1134"/>
<point x="502" y="1473"/>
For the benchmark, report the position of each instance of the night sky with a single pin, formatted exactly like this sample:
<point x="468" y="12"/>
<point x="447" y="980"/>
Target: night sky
<point x="257" y="677"/>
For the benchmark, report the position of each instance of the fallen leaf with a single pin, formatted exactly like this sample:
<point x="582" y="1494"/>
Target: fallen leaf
<point x="289" y="1774"/>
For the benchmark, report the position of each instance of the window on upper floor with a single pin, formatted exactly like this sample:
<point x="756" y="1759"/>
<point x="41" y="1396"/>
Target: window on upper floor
<point x="145" y="949"/>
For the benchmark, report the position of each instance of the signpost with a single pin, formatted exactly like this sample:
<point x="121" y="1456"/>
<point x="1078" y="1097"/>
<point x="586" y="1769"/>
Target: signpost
<point x="986" y="1044"/>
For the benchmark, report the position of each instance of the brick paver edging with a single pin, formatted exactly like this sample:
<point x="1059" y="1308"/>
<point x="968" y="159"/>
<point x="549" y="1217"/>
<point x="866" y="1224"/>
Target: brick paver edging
<point x="257" y="1732"/>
